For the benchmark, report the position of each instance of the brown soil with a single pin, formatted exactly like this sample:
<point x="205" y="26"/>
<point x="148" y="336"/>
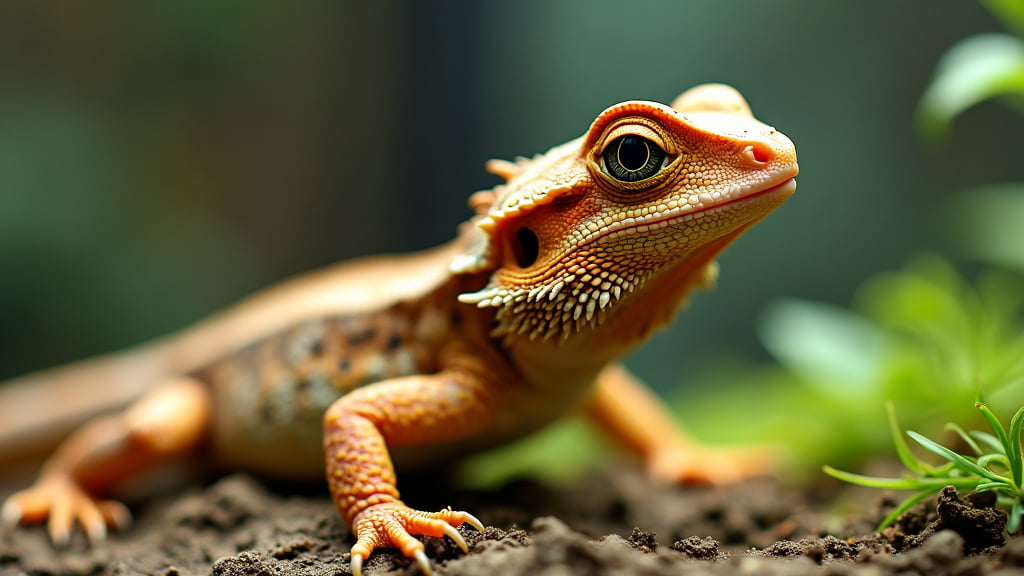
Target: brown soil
<point x="609" y="523"/>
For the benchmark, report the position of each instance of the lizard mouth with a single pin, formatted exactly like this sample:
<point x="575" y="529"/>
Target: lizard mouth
<point x="785" y="186"/>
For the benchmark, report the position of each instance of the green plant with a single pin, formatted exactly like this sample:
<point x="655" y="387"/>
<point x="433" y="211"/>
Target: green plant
<point x="995" y="466"/>
<point x="924" y="337"/>
<point x="990" y="66"/>
<point x="978" y="68"/>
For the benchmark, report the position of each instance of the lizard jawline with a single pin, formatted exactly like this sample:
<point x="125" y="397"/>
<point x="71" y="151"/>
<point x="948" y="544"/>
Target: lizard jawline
<point x="565" y="304"/>
<point x="785" y="187"/>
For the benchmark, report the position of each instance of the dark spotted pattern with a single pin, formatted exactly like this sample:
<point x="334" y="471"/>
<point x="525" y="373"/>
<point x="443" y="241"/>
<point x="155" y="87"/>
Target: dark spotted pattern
<point x="278" y="388"/>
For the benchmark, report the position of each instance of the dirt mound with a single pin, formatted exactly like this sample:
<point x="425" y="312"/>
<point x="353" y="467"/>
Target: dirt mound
<point x="610" y="523"/>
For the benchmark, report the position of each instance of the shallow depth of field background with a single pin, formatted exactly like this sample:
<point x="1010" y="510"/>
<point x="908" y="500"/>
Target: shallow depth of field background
<point x="159" y="161"/>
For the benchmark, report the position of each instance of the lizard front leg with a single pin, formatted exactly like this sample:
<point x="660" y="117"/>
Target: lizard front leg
<point x="632" y="414"/>
<point x="457" y="402"/>
<point x="167" y="422"/>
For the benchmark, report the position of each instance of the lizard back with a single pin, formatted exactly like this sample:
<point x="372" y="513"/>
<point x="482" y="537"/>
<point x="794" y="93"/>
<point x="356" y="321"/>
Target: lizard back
<point x="271" y="395"/>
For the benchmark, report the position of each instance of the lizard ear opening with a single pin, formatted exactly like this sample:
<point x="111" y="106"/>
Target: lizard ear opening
<point x="526" y="247"/>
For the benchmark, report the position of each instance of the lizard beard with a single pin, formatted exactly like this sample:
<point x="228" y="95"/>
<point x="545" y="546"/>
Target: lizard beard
<point x="585" y="292"/>
<point x="558" y="305"/>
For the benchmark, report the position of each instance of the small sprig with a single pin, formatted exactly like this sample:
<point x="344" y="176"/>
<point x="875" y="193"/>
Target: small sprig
<point x="996" y="465"/>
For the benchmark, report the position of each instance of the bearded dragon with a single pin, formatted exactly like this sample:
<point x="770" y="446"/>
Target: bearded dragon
<point x="564" y="268"/>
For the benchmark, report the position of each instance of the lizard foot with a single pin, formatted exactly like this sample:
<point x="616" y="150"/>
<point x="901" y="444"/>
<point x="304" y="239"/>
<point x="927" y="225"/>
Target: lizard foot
<point x="710" y="465"/>
<point x="60" y="500"/>
<point x="393" y="524"/>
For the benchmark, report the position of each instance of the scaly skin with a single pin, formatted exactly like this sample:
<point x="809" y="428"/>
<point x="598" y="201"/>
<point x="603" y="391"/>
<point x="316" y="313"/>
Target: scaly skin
<point x="571" y="263"/>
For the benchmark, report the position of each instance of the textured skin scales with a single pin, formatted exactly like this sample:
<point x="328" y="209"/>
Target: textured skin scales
<point x="280" y="387"/>
<point x="413" y="360"/>
<point x="603" y="242"/>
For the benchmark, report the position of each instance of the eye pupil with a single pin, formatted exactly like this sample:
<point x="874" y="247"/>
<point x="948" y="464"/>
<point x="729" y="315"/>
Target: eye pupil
<point x="633" y="153"/>
<point x="632" y="158"/>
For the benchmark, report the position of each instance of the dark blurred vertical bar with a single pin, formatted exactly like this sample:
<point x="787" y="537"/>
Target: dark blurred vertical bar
<point x="362" y="164"/>
<point x="442" y="163"/>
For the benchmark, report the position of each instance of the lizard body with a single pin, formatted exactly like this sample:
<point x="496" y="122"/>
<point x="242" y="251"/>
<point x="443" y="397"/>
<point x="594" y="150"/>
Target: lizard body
<point x="85" y="389"/>
<point x="564" y="268"/>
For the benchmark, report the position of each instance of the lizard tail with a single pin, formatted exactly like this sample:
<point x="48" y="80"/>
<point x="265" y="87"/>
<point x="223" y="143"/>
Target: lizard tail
<point x="38" y="410"/>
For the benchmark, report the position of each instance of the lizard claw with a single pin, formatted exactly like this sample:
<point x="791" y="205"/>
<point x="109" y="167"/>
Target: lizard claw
<point x="472" y="521"/>
<point x="423" y="563"/>
<point x="62" y="503"/>
<point x="356" y="564"/>
<point x="393" y="525"/>
<point x="10" y="516"/>
<point x="452" y="533"/>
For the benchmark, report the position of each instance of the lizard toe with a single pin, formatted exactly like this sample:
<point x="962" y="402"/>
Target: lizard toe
<point x="395" y="524"/>
<point x="62" y="503"/>
<point x="61" y="520"/>
<point x="92" y="521"/>
<point x="116" y="514"/>
<point x="702" y="465"/>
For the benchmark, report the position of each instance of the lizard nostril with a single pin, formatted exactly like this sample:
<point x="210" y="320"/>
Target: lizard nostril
<point x="759" y="153"/>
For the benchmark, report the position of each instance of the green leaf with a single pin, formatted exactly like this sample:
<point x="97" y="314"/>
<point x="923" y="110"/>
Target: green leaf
<point x="833" y="348"/>
<point x="973" y="70"/>
<point x="1010" y="12"/>
<point x="874" y="481"/>
<point x="905" y="483"/>
<point x="903" y="507"/>
<point x="990" y="441"/>
<point x="1016" y="511"/>
<point x="952" y="456"/>
<point x="985" y="222"/>
<point x="954" y="427"/>
<point x="1013" y="452"/>
<point x="988" y="459"/>
<point x="996" y="425"/>
<point x="902" y="449"/>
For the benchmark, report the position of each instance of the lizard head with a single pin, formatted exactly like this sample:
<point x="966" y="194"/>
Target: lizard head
<point x="633" y="211"/>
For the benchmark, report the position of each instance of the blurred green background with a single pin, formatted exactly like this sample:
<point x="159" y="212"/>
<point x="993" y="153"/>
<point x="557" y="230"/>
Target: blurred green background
<point x="158" y="161"/>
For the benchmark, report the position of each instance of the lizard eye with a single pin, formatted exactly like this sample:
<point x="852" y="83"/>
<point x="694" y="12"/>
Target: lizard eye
<point x="632" y="158"/>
